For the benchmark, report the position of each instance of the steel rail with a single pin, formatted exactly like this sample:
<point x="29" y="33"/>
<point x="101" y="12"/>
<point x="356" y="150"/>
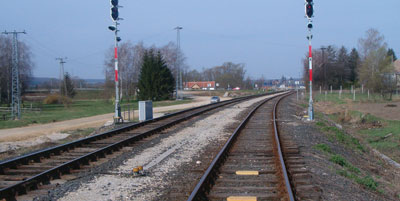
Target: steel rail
<point x="208" y="178"/>
<point x="281" y="159"/>
<point x="32" y="183"/>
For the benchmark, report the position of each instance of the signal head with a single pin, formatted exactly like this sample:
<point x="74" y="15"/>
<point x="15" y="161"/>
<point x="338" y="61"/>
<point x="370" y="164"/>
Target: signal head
<point x="114" y="13"/>
<point x="309" y="25"/>
<point x="114" y="2"/>
<point x="309" y="10"/>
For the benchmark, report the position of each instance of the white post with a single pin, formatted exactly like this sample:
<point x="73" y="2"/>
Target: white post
<point x="354" y="95"/>
<point x="368" y="94"/>
<point x="326" y="93"/>
<point x="351" y="88"/>
<point x="320" y="89"/>
<point x="340" y="92"/>
<point x="331" y="88"/>
<point x="362" y="89"/>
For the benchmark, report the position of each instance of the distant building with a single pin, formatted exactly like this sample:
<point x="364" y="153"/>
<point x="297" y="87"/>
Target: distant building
<point x="204" y="85"/>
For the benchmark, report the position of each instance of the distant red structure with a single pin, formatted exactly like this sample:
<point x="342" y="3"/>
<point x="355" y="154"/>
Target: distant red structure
<point x="206" y="85"/>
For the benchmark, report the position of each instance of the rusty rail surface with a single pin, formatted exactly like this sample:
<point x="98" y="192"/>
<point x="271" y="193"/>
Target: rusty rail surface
<point x="246" y="166"/>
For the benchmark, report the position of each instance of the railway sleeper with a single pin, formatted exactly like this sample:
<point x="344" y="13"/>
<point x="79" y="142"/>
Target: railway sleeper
<point x="274" y="195"/>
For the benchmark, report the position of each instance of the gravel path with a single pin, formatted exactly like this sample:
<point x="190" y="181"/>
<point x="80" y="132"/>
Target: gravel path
<point x="159" y="160"/>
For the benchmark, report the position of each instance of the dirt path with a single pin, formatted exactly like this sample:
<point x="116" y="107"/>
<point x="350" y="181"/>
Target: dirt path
<point x="33" y="131"/>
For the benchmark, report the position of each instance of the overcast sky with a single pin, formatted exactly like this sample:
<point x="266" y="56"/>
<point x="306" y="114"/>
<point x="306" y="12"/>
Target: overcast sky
<point x="268" y="36"/>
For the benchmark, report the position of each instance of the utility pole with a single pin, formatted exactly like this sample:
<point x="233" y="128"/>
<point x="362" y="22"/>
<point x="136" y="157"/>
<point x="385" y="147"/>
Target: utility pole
<point x="16" y="92"/>
<point x="309" y="14"/>
<point x="115" y="17"/>
<point x="177" y="64"/>
<point x="62" y="75"/>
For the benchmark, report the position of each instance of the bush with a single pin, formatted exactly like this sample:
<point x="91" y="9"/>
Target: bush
<point x="57" y="99"/>
<point x="52" y="99"/>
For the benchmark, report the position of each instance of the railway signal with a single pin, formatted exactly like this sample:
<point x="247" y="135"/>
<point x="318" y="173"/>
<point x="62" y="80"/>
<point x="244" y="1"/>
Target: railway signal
<point x="309" y="10"/>
<point x="114" y="28"/>
<point x="114" y="10"/>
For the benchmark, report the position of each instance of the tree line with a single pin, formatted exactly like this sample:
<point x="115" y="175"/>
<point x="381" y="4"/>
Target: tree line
<point x="131" y="58"/>
<point x="370" y="65"/>
<point x="130" y="61"/>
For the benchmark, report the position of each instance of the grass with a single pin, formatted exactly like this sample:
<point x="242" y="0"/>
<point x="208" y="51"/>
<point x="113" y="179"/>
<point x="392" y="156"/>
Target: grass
<point x="78" y="109"/>
<point x="366" y="181"/>
<point x="385" y="139"/>
<point x="323" y="147"/>
<point x="339" y="135"/>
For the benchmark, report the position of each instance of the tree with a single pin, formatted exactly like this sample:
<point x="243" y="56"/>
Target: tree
<point x="391" y="54"/>
<point x="130" y="60"/>
<point x="376" y="66"/>
<point x="156" y="81"/>
<point x="68" y="85"/>
<point x="354" y="60"/>
<point x="25" y="67"/>
<point x="228" y="75"/>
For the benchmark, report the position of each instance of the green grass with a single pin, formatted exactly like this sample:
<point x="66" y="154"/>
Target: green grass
<point x="366" y="181"/>
<point x="78" y="109"/>
<point x="323" y="147"/>
<point x="339" y="135"/>
<point x="385" y="139"/>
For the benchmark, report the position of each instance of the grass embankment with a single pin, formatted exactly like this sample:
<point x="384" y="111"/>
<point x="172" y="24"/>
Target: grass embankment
<point x="381" y="134"/>
<point x="77" y="109"/>
<point x="345" y="168"/>
<point x="378" y="133"/>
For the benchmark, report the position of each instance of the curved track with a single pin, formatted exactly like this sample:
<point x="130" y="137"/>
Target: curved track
<point x="28" y="172"/>
<point x="252" y="165"/>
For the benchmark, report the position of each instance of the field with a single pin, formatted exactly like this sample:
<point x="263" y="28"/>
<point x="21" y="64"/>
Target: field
<point x="85" y="104"/>
<point x="375" y="121"/>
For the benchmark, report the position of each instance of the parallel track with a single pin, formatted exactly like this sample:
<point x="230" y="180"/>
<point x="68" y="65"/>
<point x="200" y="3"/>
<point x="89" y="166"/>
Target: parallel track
<point x="28" y="172"/>
<point x="251" y="165"/>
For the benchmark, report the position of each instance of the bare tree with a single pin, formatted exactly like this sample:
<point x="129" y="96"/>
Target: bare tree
<point x="376" y="66"/>
<point x="130" y="61"/>
<point x="25" y="67"/>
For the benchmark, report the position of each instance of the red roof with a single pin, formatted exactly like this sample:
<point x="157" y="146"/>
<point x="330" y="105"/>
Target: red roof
<point x="205" y="84"/>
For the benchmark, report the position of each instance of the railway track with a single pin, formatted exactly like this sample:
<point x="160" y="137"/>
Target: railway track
<point x="27" y="173"/>
<point x="256" y="164"/>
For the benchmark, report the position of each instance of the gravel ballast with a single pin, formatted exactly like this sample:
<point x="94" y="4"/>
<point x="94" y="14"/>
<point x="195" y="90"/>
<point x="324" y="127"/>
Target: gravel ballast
<point x="160" y="160"/>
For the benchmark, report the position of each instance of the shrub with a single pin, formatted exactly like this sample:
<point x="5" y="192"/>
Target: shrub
<point x="52" y="99"/>
<point x="57" y="99"/>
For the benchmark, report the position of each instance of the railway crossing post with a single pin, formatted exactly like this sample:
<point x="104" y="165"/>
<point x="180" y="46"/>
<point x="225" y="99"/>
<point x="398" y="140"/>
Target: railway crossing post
<point x="309" y="14"/>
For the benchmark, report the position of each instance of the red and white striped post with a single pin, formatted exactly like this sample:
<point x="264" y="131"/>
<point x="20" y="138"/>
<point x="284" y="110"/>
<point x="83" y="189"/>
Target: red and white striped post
<point x="310" y="103"/>
<point x="117" y="113"/>
<point x="309" y="14"/>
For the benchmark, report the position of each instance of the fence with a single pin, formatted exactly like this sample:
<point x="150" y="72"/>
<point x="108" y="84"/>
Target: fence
<point x="128" y="112"/>
<point x="355" y="94"/>
<point x="5" y="112"/>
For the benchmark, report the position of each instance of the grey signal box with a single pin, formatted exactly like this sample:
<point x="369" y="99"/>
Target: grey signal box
<point x="145" y="110"/>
